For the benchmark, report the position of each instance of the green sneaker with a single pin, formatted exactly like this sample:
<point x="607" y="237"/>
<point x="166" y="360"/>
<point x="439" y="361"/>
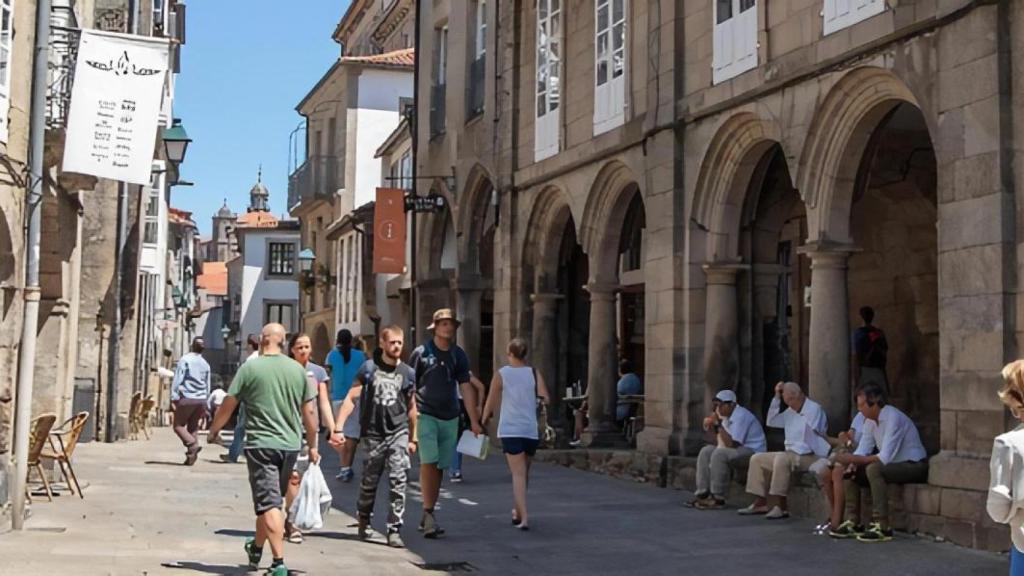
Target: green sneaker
<point x="255" y="554"/>
<point x="279" y="570"/>
<point x="874" y="533"/>
<point x="846" y="530"/>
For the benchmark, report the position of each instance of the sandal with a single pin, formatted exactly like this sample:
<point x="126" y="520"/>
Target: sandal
<point x="295" y="537"/>
<point x="515" y="519"/>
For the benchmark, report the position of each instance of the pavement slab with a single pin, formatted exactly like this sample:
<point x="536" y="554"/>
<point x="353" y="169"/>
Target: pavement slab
<point x="145" y="514"/>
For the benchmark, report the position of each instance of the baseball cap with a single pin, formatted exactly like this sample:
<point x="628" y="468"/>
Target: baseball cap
<point x="726" y="396"/>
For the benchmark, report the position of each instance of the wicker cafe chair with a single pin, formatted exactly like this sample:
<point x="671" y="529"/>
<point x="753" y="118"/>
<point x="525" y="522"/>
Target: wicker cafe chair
<point x="133" y="416"/>
<point x="37" y="437"/>
<point x="145" y="408"/>
<point x="61" y="451"/>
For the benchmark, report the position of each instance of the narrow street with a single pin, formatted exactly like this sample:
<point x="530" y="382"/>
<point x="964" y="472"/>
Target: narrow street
<point x="146" y="514"/>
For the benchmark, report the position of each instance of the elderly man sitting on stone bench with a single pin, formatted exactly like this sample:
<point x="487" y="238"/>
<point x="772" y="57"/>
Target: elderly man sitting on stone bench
<point x="738" y="436"/>
<point x="805" y="424"/>
<point x="900" y="459"/>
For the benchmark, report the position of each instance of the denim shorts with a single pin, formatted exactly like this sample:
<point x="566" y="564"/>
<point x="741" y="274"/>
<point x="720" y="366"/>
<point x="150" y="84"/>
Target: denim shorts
<point x="515" y="445"/>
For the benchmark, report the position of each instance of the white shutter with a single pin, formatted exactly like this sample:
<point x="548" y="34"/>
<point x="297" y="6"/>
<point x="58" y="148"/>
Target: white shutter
<point x="548" y="92"/>
<point x="840" y="14"/>
<point x="6" y="59"/>
<point x="610" y="35"/>
<point x="735" y="38"/>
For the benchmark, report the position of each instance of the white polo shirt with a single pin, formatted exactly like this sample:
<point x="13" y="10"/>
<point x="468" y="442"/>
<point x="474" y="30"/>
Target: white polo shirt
<point x="745" y="430"/>
<point x="805" y="429"/>
<point x="895" y="436"/>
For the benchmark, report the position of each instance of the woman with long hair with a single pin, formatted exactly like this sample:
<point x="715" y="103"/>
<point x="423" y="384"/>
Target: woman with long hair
<point x="515" y="390"/>
<point x="343" y="362"/>
<point x="300" y="348"/>
<point x="1006" y="486"/>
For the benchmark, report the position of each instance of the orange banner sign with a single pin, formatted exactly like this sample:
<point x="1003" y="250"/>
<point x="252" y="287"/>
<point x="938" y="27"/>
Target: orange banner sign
<point x="389" y="231"/>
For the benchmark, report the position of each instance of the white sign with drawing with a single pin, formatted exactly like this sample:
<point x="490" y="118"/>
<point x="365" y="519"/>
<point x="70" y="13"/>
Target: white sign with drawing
<point x="115" y="106"/>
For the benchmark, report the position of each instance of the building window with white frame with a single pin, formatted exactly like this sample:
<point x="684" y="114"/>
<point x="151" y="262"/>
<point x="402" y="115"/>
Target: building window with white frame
<point x="549" y="75"/>
<point x="280" y="313"/>
<point x="609" y="64"/>
<point x="477" y="66"/>
<point x="151" y="217"/>
<point x="840" y="14"/>
<point x="438" y="92"/>
<point x="6" y="34"/>
<point x="282" y="259"/>
<point x="735" y="38"/>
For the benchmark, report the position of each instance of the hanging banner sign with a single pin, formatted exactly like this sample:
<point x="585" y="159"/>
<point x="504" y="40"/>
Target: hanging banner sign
<point x="389" y="231"/>
<point x="115" y="106"/>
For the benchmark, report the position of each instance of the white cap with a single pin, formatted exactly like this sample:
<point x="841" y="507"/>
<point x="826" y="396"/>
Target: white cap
<point x="726" y="396"/>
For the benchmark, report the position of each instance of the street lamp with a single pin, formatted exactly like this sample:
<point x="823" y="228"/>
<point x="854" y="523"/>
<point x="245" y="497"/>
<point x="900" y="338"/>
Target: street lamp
<point x="225" y="331"/>
<point x="306" y="259"/>
<point x="176" y="142"/>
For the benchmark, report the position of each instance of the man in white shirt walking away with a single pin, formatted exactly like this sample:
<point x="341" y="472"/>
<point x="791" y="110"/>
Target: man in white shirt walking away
<point x="805" y="424"/>
<point x="738" y="436"/>
<point x="901" y="458"/>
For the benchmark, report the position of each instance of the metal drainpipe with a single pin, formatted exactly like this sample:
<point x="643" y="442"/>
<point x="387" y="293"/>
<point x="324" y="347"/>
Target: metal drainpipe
<point x="31" y="293"/>
<point x="413" y="292"/>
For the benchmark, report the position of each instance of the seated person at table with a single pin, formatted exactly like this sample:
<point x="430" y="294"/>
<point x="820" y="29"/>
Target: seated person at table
<point x="629" y="385"/>
<point x="805" y="424"/>
<point x="738" y="437"/>
<point x="901" y="458"/>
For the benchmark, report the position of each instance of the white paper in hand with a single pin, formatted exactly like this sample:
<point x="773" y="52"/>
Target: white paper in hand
<point x="472" y="445"/>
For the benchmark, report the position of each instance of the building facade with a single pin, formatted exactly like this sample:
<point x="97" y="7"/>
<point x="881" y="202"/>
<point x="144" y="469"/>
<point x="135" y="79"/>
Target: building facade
<point x="348" y="114"/>
<point x="713" y="190"/>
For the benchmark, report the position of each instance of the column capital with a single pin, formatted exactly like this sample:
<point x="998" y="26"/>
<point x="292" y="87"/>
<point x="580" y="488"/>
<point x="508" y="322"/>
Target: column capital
<point x="600" y="291"/>
<point x="827" y="254"/>
<point x="723" y="272"/>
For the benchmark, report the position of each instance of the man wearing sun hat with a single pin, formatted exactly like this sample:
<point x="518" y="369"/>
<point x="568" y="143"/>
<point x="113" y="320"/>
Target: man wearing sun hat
<point x="738" y="436"/>
<point x="441" y="368"/>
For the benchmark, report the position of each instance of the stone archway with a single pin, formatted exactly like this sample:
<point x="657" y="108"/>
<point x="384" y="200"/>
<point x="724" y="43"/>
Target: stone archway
<point x="557" y="270"/>
<point x="321" y="343"/>
<point x="868" y="173"/>
<point x="474" y="282"/>
<point x="613" y="197"/>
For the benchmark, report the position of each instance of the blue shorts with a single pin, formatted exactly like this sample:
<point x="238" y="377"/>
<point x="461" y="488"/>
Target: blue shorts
<point x="515" y="446"/>
<point x="1016" y="561"/>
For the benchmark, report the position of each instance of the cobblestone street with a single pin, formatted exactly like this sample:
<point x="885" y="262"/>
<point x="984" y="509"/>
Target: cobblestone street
<point x="146" y="514"/>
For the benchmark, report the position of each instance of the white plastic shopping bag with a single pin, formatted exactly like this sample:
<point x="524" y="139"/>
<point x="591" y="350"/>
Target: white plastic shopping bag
<point x="313" y="501"/>
<point x="472" y="445"/>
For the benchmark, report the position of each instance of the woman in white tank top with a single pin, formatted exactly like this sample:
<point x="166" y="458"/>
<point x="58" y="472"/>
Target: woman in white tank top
<point x="515" y="389"/>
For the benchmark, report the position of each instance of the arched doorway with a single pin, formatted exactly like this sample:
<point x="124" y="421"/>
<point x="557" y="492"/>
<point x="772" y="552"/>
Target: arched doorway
<point x="894" y="269"/>
<point x="474" y="285"/>
<point x="321" y="343"/>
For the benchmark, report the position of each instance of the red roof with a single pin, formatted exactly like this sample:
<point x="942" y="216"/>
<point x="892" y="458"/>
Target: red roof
<point x="176" y="216"/>
<point x="404" y="58"/>
<point x="257" y="219"/>
<point x="214" y="278"/>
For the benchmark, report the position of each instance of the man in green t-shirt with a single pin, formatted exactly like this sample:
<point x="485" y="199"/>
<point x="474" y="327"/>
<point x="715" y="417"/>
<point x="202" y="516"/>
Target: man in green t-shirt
<point x="278" y="405"/>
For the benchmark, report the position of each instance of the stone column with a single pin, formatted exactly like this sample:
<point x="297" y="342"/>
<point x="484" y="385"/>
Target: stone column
<point x="544" y="350"/>
<point x="829" y="361"/>
<point x="721" y="329"/>
<point x="602" y="366"/>
<point x="468" y="295"/>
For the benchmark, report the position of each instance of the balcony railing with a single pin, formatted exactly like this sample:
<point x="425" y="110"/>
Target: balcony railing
<point x="475" y="89"/>
<point x="437" y="109"/>
<point x="63" y="55"/>
<point x="317" y="178"/>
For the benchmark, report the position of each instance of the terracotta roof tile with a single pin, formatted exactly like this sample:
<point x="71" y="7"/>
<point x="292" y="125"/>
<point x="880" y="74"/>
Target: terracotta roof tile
<point x="214" y="278"/>
<point x="257" y="219"/>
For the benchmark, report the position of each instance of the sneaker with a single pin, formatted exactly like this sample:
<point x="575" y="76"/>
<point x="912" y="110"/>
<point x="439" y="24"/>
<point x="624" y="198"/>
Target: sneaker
<point x="395" y="539"/>
<point x="752" y="510"/>
<point x="456" y="477"/>
<point x="777" y="513"/>
<point x="712" y="503"/>
<point x="345" y="475"/>
<point x="255" y="554"/>
<point x="192" y="454"/>
<point x="365" y="530"/>
<point x="846" y="530"/>
<point x="278" y="570"/>
<point x="431" y="529"/>
<point x="228" y="459"/>
<point x="576" y="443"/>
<point x="875" y="533"/>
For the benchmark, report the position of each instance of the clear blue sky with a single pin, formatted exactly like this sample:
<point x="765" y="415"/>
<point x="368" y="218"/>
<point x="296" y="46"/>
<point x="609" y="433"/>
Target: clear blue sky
<point x="245" y="66"/>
